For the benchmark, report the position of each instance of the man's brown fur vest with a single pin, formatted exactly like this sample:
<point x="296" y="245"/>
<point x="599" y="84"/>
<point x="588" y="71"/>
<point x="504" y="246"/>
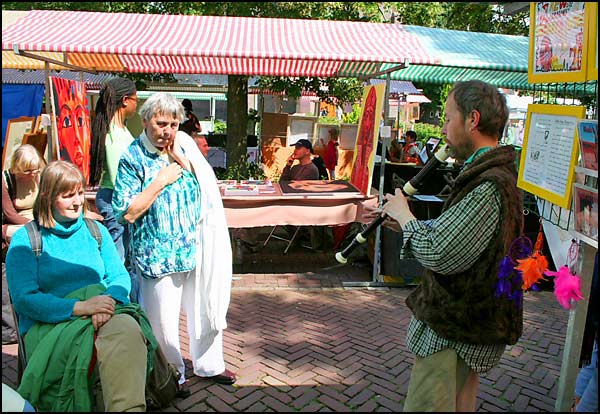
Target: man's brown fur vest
<point x="463" y="307"/>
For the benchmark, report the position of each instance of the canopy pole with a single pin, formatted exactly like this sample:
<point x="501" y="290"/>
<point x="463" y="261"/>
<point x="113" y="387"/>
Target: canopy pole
<point x="384" y="145"/>
<point x="261" y="110"/>
<point x="52" y="127"/>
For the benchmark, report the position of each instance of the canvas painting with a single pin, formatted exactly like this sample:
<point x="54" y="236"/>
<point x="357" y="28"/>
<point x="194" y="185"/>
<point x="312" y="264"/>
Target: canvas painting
<point x="69" y="107"/>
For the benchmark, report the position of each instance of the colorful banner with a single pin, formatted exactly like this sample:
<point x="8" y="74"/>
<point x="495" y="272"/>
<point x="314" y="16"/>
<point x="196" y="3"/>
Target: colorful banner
<point x="366" y="140"/>
<point x="72" y="127"/>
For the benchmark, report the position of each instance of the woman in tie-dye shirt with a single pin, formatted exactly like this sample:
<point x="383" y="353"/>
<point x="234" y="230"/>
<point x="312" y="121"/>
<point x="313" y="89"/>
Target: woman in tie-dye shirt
<point x="158" y="193"/>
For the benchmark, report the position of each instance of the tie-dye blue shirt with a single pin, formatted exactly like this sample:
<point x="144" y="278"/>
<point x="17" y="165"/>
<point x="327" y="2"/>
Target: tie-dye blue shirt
<point x="164" y="237"/>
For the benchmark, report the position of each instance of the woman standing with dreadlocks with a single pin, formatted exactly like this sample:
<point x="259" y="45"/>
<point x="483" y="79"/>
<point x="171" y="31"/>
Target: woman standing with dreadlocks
<point x="110" y="138"/>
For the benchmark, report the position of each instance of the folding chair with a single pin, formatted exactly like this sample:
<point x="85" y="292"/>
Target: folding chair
<point x="290" y="240"/>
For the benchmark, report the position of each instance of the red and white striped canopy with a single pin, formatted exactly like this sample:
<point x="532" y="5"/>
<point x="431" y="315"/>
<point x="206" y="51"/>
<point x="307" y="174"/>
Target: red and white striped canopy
<point x="154" y="43"/>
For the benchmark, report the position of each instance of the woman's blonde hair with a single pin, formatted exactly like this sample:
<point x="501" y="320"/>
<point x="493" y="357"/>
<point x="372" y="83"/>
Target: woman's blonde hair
<point x="57" y="178"/>
<point x="26" y="157"/>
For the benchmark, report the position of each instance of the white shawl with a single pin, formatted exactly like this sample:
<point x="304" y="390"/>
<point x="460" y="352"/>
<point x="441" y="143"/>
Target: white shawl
<point x="213" y="255"/>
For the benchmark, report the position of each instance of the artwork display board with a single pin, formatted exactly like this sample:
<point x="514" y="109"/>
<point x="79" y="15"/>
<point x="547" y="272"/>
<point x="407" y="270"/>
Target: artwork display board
<point x="15" y="131"/>
<point x="274" y="129"/>
<point x="301" y="127"/>
<point x="549" y="154"/>
<point x="348" y="136"/>
<point x="558" y="41"/>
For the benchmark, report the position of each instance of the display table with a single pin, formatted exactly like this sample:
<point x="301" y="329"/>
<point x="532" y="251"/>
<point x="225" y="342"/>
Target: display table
<point x="279" y="208"/>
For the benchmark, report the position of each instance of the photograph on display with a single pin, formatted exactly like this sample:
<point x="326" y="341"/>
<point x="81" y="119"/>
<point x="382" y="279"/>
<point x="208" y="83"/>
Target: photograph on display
<point x="69" y="108"/>
<point x="587" y="131"/>
<point x="585" y="206"/>
<point x="558" y="41"/>
<point x="550" y="151"/>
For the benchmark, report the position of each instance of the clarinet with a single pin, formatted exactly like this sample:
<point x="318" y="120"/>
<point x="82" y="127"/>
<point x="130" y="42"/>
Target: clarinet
<point x="409" y="189"/>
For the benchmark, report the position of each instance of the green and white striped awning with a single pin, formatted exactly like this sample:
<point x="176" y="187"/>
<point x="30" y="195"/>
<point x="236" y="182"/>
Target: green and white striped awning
<point x="449" y="74"/>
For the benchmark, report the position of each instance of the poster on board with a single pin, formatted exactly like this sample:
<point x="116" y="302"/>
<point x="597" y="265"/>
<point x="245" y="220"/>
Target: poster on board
<point x="558" y="41"/>
<point x="550" y="150"/>
<point x="72" y="126"/>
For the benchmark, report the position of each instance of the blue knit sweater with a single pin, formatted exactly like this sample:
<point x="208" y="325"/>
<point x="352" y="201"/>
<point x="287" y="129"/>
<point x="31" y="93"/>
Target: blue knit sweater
<point x="70" y="260"/>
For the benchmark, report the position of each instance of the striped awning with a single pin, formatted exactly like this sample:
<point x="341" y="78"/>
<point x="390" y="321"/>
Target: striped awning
<point x="154" y="43"/>
<point x="38" y="77"/>
<point x="501" y="60"/>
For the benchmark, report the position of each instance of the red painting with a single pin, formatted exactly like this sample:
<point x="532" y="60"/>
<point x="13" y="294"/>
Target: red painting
<point x="72" y="122"/>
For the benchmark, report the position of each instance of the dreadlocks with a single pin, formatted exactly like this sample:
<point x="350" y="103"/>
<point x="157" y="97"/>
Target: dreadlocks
<point x="110" y="100"/>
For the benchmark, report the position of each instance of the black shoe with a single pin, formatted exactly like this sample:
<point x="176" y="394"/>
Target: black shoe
<point x="183" y="391"/>
<point x="226" y="377"/>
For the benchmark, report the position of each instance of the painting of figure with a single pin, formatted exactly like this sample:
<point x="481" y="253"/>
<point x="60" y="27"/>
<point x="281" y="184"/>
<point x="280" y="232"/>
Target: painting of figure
<point x="69" y="107"/>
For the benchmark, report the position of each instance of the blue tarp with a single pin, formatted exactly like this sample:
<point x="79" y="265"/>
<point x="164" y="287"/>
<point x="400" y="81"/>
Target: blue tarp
<point x="20" y="100"/>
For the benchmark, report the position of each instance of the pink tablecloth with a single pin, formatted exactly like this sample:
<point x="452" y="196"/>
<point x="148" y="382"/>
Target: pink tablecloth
<point x="297" y="210"/>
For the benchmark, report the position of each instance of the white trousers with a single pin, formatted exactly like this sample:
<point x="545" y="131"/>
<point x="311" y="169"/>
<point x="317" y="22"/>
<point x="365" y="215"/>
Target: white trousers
<point x="162" y="299"/>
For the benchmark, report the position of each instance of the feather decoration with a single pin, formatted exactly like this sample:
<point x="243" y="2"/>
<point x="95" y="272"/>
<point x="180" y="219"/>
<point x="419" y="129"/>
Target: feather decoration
<point x="534" y="266"/>
<point x="533" y="269"/>
<point x="567" y="287"/>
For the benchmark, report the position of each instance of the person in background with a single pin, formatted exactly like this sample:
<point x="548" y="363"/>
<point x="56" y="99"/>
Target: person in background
<point x="20" y="186"/>
<point x="191" y="123"/>
<point x="306" y="169"/>
<point x="411" y="149"/>
<point x="464" y="316"/>
<point x="174" y="214"/>
<point x="331" y="152"/>
<point x="396" y="151"/>
<point x="117" y="102"/>
<point x="202" y="143"/>
<point x="66" y="300"/>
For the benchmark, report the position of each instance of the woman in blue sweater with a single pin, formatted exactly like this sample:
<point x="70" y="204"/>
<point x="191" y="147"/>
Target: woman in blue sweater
<point x="53" y="289"/>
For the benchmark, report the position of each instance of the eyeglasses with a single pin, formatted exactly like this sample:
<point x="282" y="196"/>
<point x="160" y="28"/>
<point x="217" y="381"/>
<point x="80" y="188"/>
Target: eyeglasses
<point x="35" y="171"/>
<point x="134" y="98"/>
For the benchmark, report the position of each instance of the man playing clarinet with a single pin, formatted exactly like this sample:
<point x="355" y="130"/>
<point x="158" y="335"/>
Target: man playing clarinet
<point x="460" y="325"/>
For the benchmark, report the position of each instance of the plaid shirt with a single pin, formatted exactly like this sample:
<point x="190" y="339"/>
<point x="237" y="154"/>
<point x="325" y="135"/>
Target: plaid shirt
<point x="472" y="223"/>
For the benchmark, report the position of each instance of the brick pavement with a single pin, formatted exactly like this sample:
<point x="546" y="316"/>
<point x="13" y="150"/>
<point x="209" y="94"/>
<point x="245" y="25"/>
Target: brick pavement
<point x="303" y="342"/>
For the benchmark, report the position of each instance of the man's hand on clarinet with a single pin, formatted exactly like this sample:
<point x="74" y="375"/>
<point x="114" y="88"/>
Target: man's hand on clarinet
<point x="396" y="207"/>
<point x="371" y="213"/>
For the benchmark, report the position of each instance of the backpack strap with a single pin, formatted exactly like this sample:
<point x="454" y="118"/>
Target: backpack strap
<point x="93" y="228"/>
<point x="35" y="234"/>
<point x="35" y="237"/>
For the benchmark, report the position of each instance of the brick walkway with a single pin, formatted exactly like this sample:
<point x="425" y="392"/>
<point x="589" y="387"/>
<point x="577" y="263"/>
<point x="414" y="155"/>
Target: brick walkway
<point x="303" y="342"/>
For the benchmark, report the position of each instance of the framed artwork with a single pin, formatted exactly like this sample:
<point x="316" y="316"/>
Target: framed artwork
<point x="558" y="41"/>
<point x="15" y="131"/>
<point x="592" y="67"/>
<point x="587" y="132"/>
<point x="550" y="150"/>
<point x="585" y="208"/>
<point x="317" y="187"/>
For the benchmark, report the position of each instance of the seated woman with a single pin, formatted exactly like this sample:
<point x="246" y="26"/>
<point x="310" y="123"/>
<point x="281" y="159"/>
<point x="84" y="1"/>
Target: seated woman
<point x="70" y="299"/>
<point x="19" y="190"/>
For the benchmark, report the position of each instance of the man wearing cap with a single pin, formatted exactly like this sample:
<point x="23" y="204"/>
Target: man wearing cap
<point x="306" y="170"/>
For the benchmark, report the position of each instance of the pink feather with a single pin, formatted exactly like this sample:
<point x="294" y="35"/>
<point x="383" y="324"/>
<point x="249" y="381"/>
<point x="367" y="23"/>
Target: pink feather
<point x="567" y="287"/>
